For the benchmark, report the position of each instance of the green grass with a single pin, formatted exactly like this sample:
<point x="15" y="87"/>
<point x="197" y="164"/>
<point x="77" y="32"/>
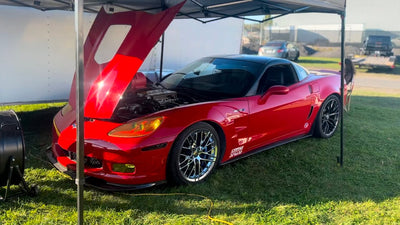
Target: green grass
<point x="31" y="107"/>
<point x="298" y="183"/>
<point x="317" y="63"/>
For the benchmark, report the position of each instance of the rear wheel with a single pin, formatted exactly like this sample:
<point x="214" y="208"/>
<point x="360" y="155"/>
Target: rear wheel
<point x="297" y="57"/>
<point x="194" y="155"/>
<point x="328" y="117"/>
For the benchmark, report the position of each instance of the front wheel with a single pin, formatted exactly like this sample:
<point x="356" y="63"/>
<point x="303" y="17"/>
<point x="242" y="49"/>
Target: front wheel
<point x="328" y="117"/>
<point x="194" y="155"/>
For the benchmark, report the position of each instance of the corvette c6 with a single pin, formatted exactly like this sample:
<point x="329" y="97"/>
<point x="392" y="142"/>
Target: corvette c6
<point x="214" y="111"/>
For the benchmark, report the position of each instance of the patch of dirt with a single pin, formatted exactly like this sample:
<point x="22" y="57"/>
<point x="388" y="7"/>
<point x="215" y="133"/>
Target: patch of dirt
<point x="329" y="52"/>
<point x="374" y="81"/>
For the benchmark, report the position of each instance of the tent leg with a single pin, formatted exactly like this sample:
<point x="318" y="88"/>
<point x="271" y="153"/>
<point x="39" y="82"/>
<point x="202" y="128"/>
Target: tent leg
<point x="79" y="107"/>
<point x="340" y="158"/>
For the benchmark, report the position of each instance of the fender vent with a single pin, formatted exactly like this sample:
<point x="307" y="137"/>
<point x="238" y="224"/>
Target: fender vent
<point x="310" y="113"/>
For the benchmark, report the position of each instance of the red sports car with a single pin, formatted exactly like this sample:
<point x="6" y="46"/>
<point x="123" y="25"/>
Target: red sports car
<point x="214" y="111"/>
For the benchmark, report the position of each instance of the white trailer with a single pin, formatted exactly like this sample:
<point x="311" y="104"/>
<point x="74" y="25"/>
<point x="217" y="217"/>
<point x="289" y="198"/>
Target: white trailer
<point x="375" y="62"/>
<point x="37" y="50"/>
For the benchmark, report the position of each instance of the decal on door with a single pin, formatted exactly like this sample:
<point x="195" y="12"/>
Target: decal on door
<point x="236" y="151"/>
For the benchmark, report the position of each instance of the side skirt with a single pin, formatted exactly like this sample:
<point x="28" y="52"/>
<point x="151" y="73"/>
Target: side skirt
<point x="267" y="147"/>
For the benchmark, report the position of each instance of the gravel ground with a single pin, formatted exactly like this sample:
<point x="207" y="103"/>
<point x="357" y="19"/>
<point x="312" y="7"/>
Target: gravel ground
<point x="333" y="52"/>
<point x="387" y="83"/>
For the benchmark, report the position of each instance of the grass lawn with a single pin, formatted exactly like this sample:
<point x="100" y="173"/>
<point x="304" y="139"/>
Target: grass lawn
<point x="318" y="63"/>
<point x="298" y="183"/>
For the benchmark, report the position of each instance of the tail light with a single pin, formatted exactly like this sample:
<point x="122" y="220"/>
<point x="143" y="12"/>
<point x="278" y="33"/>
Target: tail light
<point x="280" y="50"/>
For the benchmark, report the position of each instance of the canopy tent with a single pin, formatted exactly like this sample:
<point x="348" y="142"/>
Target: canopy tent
<point x="201" y="10"/>
<point x="195" y="9"/>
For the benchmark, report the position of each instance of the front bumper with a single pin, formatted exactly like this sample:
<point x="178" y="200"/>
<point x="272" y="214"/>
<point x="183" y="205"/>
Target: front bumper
<point x="107" y="158"/>
<point x="98" y="183"/>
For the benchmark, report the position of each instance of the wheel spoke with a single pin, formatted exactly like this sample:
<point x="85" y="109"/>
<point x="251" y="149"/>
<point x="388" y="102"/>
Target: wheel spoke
<point x="198" y="171"/>
<point x="208" y="160"/>
<point x="187" y="165"/>
<point x="193" y="171"/>
<point x="206" y="139"/>
<point x="208" y="154"/>
<point x="186" y="170"/>
<point x="191" y="142"/>
<point x="187" y="148"/>
<point x="330" y="122"/>
<point x="185" y="160"/>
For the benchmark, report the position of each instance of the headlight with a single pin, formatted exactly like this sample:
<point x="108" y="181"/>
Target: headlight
<point x="138" y="128"/>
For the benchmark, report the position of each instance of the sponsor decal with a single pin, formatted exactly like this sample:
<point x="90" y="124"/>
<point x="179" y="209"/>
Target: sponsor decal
<point x="236" y="151"/>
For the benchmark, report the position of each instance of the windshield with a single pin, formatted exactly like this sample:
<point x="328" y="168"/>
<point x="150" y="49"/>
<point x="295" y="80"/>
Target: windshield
<point x="382" y="39"/>
<point x="214" y="78"/>
<point x="274" y="44"/>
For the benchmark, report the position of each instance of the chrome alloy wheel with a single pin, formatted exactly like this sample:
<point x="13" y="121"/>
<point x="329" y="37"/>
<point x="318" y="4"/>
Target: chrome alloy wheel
<point x="330" y="116"/>
<point x="198" y="155"/>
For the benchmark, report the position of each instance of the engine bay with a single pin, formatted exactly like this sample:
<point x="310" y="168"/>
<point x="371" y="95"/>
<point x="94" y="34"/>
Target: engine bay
<point x="136" y="103"/>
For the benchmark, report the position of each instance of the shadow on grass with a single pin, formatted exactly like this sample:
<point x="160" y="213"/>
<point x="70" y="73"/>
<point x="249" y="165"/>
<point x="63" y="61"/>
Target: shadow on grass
<point x="37" y="121"/>
<point x="301" y="173"/>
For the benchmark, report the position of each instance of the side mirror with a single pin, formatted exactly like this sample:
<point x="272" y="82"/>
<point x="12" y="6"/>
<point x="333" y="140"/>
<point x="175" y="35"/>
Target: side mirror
<point x="274" y="90"/>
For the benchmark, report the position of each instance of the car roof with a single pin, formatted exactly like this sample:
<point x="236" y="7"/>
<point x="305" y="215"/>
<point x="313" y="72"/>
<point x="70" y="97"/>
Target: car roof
<point x="277" y="41"/>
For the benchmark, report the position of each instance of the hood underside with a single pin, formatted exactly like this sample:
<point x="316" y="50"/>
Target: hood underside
<point x="104" y="83"/>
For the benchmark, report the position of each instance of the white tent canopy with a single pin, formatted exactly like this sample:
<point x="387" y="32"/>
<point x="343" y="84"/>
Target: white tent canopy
<point x="194" y="8"/>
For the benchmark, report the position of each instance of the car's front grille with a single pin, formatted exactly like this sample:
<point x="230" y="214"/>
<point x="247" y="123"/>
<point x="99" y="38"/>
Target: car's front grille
<point x="93" y="162"/>
<point x="89" y="161"/>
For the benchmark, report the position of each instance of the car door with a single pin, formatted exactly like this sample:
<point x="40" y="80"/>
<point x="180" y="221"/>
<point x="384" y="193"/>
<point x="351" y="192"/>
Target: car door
<point x="281" y="108"/>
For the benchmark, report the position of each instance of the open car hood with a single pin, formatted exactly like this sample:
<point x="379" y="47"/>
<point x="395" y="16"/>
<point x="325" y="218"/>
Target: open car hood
<point x="105" y="83"/>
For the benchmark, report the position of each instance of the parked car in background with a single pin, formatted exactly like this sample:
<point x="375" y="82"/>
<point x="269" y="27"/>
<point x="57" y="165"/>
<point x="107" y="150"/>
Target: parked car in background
<point x="379" y="45"/>
<point x="280" y="49"/>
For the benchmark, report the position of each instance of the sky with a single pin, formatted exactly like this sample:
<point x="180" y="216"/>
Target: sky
<point x="373" y="14"/>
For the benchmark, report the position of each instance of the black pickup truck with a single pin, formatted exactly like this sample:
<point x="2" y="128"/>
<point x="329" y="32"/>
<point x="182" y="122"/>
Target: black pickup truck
<point x="377" y="45"/>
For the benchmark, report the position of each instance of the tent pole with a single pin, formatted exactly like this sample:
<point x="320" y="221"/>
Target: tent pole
<point x="162" y="57"/>
<point x="343" y="15"/>
<point x="78" y="10"/>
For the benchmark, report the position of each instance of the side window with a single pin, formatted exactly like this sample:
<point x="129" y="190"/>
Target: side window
<point x="282" y="74"/>
<point x="301" y="72"/>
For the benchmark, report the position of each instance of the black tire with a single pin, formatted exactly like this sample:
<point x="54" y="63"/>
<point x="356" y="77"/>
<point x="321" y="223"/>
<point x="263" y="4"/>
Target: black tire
<point x="286" y="56"/>
<point x="194" y="155"/>
<point x="327" y="120"/>
<point x="297" y="57"/>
